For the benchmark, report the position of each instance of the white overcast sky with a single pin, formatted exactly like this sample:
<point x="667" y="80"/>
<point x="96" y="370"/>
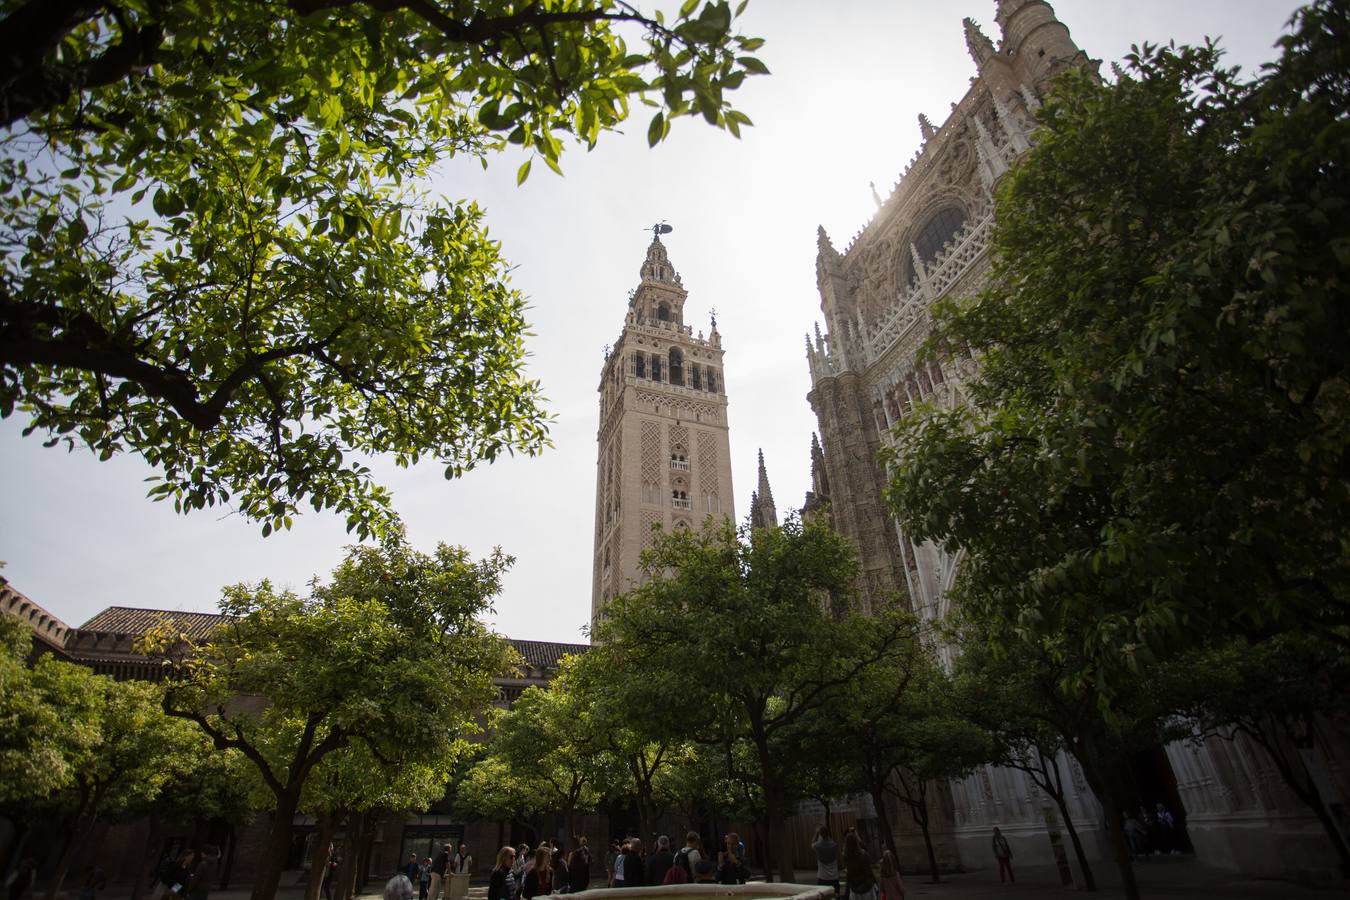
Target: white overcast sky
<point x="839" y="111"/>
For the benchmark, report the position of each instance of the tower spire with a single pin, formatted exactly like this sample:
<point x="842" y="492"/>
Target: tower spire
<point x="763" y="513"/>
<point x="980" y="47"/>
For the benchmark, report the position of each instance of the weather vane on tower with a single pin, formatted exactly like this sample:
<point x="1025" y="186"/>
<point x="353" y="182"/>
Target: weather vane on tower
<point x="659" y="229"/>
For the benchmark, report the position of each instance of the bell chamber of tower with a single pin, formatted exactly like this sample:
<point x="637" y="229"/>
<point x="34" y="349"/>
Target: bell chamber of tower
<point x="663" y="452"/>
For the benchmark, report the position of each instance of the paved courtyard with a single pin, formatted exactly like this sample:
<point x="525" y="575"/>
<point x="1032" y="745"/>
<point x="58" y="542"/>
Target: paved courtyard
<point x="1163" y="879"/>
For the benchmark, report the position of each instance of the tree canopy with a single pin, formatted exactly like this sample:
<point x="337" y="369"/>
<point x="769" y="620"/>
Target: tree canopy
<point x="215" y="246"/>
<point x="743" y="627"/>
<point x="385" y="663"/>
<point x="1154" y="447"/>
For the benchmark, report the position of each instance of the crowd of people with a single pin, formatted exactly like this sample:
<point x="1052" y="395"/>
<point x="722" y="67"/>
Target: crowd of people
<point x="862" y="879"/>
<point x="522" y="873"/>
<point x="1154" y="833"/>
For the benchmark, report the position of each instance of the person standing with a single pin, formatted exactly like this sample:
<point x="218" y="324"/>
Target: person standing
<point x="560" y="876"/>
<point x="462" y="864"/>
<point x="502" y="881"/>
<point x="518" y="867"/>
<point x="1167" y="830"/>
<point x="730" y="864"/>
<point x="633" y="865"/>
<point x="1003" y="853"/>
<point x="423" y="878"/>
<point x="412" y="868"/>
<point x="330" y="872"/>
<point x="892" y="885"/>
<point x="611" y="859"/>
<point x="539" y="877"/>
<point x="438" y="872"/>
<point x="617" y="878"/>
<point x="659" y="863"/>
<point x="862" y="883"/>
<point x="579" y="867"/>
<point x="827" y="859"/>
<point x="204" y="873"/>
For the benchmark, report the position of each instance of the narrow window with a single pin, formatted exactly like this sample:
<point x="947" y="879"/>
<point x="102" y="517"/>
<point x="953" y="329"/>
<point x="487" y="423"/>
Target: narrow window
<point x="656" y="367"/>
<point x="676" y="366"/>
<point x="640" y="361"/>
<point x="695" y="381"/>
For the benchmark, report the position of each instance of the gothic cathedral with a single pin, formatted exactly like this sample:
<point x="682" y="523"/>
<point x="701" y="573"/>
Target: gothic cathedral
<point x="928" y="240"/>
<point x="663" y="453"/>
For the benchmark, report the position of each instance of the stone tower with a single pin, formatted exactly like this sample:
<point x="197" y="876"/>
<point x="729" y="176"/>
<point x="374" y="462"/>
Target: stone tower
<point x="664" y="457"/>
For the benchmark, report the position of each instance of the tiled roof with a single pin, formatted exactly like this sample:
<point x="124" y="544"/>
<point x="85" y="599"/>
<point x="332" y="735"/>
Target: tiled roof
<point x="546" y="654"/>
<point x="129" y="620"/>
<point x="543" y="655"/>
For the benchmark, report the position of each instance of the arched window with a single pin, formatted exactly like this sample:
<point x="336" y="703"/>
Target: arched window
<point x="940" y="228"/>
<point x="640" y="364"/>
<point x="662" y="312"/>
<point x="712" y="380"/>
<point x="676" y="366"/>
<point x="694" y="381"/>
<point x="656" y="367"/>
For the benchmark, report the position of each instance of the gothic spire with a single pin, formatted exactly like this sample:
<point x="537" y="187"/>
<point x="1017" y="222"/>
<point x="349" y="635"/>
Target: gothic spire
<point x="926" y="127"/>
<point x="823" y="242"/>
<point x="763" y="513"/>
<point x="980" y="47"/>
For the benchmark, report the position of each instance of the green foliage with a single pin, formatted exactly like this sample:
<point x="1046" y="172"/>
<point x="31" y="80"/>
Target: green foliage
<point x="216" y="253"/>
<point x="45" y="721"/>
<point x="741" y="629"/>
<point x="548" y="753"/>
<point x="1154" y="448"/>
<point x="386" y="664"/>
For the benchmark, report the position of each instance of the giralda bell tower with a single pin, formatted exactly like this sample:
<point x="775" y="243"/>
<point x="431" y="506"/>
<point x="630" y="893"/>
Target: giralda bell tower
<point x="664" y="457"/>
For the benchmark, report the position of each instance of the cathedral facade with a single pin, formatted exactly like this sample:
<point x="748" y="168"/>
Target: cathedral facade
<point x="664" y="458"/>
<point x="929" y="240"/>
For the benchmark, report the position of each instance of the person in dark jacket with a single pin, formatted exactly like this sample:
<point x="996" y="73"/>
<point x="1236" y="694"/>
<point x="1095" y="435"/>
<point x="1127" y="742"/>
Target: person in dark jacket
<point x="438" y="871"/>
<point x="561" y="879"/>
<point x="658" y="864"/>
<point x="634" y="868"/>
<point x="539" y="878"/>
<point x="579" y="867"/>
<point x="502" y="881"/>
<point x="204" y="874"/>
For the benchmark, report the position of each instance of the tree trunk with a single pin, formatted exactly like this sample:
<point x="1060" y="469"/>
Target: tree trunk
<point x="226" y="870"/>
<point x="1089" y="882"/>
<point x="773" y="832"/>
<point x="927" y="840"/>
<point x="1304" y="788"/>
<point x="149" y="857"/>
<point x="1112" y="812"/>
<point x="273" y="860"/>
<point x="373" y="822"/>
<point x="917" y="799"/>
<point x="1100" y="775"/>
<point x="884" y="820"/>
<point x="351" y="848"/>
<point x="75" y="843"/>
<point x="1055" y="788"/>
<point x="324" y="826"/>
